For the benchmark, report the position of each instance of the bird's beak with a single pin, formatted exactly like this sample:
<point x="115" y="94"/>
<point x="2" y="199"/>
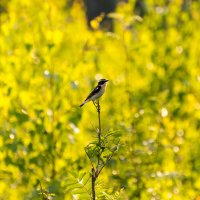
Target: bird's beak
<point x="107" y="80"/>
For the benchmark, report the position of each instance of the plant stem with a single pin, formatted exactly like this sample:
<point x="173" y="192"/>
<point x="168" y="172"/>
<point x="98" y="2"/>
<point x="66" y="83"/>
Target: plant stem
<point x="99" y="116"/>
<point x="97" y="149"/>
<point x="93" y="184"/>
<point x="95" y="172"/>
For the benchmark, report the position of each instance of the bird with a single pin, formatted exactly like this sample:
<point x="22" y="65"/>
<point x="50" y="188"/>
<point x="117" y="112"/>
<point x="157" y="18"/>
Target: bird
<point x="97" y="92"/>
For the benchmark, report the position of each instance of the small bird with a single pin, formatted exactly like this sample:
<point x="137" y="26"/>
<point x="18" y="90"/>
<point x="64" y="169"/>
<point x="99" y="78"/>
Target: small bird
<point x="97" y="92"/>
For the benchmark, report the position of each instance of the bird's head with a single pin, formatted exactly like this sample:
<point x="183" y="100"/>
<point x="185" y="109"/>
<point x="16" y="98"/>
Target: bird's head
<point x="102" y="81"/>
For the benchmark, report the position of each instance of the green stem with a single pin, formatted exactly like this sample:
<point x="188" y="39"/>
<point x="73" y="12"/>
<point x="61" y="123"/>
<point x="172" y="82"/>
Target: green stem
<point x="99" y="116"/>
<point x="93" y="184"/>
<point x="95" y="171"/>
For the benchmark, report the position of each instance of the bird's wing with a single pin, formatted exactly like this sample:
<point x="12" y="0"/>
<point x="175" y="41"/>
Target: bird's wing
<point x="95" y="91"/>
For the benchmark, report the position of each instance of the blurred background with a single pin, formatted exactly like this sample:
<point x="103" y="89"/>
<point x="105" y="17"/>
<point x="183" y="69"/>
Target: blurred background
<point x="51" y="55"/>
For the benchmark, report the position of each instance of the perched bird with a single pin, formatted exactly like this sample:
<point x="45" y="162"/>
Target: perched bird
<point x="97" y="92"/>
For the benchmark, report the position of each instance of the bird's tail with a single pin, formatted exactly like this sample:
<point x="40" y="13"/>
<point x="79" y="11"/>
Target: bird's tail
<point x="87" y="100"/>
<point x="82" y="104"/>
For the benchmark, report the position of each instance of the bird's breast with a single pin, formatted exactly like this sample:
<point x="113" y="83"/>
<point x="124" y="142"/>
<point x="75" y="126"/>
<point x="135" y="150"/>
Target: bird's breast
<point x="99" y="94"/>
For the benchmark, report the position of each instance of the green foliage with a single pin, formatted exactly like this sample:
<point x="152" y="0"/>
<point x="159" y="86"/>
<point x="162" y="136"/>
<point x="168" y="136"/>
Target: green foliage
<point x="49" y="61"/>
<point x="109" y="145"/>
<point x="79" y="185"/>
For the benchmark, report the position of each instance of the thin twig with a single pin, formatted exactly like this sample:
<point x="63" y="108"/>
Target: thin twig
<point x="96" y="168"/>
<point x="99" y="117"/>
<point x="99" y="136"/>
<point x="93" y="184"/>
<point x="95" y="172"/>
